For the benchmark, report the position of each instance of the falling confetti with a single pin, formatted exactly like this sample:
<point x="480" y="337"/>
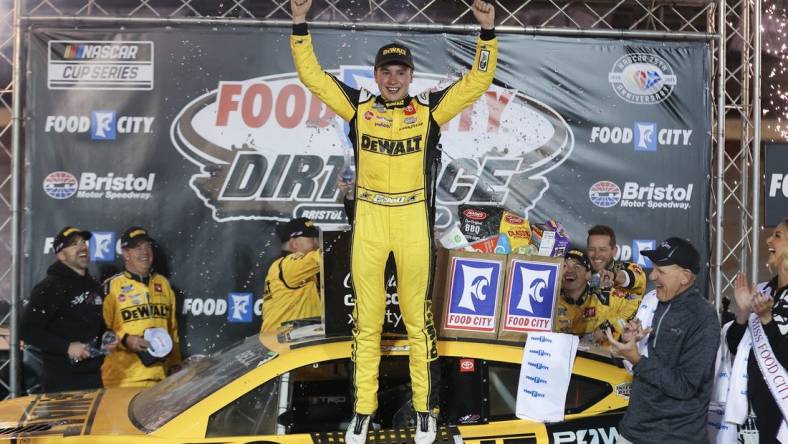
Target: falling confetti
<point x="774" y="79"/>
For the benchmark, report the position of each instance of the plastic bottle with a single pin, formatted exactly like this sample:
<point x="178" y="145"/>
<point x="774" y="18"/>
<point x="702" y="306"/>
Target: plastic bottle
<point x="348" y="174"/>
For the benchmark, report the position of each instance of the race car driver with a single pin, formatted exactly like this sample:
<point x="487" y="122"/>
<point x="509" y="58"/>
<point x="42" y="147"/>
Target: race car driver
<point x="582" y="310"/>
<point x="291" y="285"/>
<point x="395" y="140"/>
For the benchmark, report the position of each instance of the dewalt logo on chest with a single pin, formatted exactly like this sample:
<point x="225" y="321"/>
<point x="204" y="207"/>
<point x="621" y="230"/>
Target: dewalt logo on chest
<point x="137" y="312"/>
<point x="391" y="147"/>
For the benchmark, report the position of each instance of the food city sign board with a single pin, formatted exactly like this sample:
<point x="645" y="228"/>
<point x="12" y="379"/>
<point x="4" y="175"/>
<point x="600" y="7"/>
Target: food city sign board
<point x="211" y="151"/>
<point x="776" y="192"/>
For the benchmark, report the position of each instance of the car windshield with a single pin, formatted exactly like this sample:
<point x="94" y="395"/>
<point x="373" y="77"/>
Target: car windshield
<point x="154" y="406"/>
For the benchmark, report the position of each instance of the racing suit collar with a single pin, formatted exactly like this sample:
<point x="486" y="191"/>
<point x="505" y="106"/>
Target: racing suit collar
<point x="402" y="103"/>
<point x="144" y="279"/>
<point x="579" y="300"/>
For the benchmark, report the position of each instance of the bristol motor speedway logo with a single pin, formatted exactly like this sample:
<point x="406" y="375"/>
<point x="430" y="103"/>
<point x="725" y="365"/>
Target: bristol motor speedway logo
<point x="607" y="194"/>
<point x="266" y="148"/>
<point x="63" y="185"/>
<point x="530" y="296"/>
<point x="642" y="78"/>
<point x="473" y="298"/>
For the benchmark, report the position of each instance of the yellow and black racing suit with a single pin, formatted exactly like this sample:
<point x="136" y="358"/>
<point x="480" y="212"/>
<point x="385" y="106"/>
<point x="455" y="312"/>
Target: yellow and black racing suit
<point x="291" y="289"/>
<point x="397" y="162"/>
<point x="596" y="308"/>
<point x="636" y="274"/>
<point x="132" y="304"/>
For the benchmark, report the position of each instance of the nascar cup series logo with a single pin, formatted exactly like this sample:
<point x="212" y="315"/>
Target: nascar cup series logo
<point x="100" y="65"/>
<point x="266" y="148"/>
<point x="532" y="288"/>
<point x="473" y="299"/>
<point x="642" y="78"/>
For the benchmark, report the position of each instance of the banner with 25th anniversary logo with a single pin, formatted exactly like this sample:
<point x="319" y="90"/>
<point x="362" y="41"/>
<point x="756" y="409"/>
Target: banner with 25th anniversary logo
<point x="207" y="138"/>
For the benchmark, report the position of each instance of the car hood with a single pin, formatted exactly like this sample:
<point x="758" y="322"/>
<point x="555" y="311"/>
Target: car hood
<point x="88" y="412"/>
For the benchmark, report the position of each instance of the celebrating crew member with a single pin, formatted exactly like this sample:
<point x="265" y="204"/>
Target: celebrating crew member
<point x="139" y="306"/>
<point x="63" y="317"/>
<point x="582" y="311"/>
<point x="626" y="276"/>
<point x="291" y="285"/>
<point x="395" y="140"/>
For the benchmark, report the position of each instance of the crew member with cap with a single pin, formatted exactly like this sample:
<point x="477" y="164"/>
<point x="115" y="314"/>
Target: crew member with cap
<point x="63" y="317"/>
<point x="292" y="288"/>
<point x="582" y="311"/>
<point x="139" y="306"/>
<point x="671" y="387"/>
<point x="395" y="139"/>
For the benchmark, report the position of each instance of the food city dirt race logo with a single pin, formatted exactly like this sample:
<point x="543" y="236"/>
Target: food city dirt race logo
<point x="267" y="149"/>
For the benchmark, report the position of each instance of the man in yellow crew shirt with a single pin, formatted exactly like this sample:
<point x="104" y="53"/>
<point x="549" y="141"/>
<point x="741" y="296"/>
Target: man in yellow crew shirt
<point x="627" y="277"/>
<point x="395" y="139"/>
<point x="139" y="306"/>
<point x="292" y="287"/>
<point x="583" y="310"/>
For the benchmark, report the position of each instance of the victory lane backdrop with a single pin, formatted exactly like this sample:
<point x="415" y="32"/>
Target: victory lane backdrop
<point x="208" y="139"/>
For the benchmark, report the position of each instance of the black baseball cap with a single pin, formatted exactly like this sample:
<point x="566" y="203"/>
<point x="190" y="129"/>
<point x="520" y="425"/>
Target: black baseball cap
<point x="393" y="53"/>
<point x="675" y="251"/>
<point x="580" y="256"/>
<point x="66" y="236"/>
<point x="134" y="236"/>
<point x="298" y="227"/>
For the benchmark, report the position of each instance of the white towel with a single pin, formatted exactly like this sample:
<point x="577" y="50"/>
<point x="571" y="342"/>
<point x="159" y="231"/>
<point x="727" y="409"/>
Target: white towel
<point x="645" y="313"/>
<point x="722" y="369"/>
<point x="545" y="372"/>
<point x="720" y="431"/>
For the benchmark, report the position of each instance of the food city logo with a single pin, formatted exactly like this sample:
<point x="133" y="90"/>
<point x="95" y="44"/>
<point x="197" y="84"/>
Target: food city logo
<point x="266" y="148"/>
<point x="530" y="296"/>
<point x="642" y="78"/>
<point x="63" y="185"/>
<point x="631" y="253"/>
<point x="101" y="124"/>
<point x="473" y="298"/>
<point x="607" y="194"/>
<point x="100" y="65"/>
<point x="103" y="246"/>
<point x="644" y="136"/>
<point x="238" y="307"/>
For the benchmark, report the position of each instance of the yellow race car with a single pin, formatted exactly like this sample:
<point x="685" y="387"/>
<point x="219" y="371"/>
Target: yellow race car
<point x="266" y="389"/>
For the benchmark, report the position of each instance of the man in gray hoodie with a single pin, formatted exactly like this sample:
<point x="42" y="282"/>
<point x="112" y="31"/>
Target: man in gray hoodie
<point x="672" y="383"/>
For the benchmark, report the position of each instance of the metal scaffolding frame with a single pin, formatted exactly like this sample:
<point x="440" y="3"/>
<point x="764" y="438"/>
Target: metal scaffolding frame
<point x="730" y="26"/>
